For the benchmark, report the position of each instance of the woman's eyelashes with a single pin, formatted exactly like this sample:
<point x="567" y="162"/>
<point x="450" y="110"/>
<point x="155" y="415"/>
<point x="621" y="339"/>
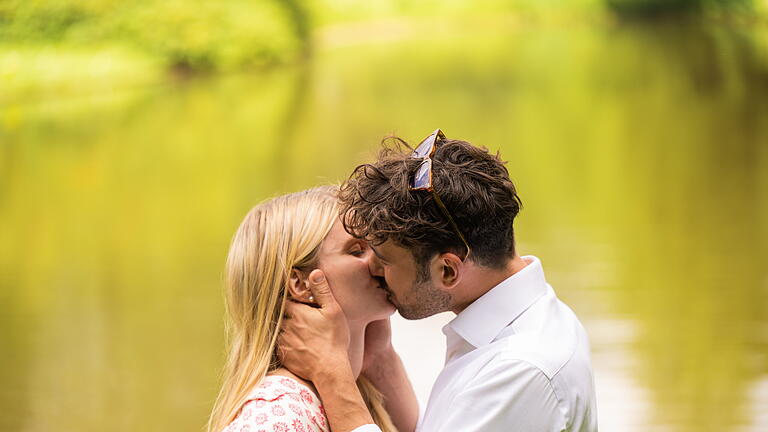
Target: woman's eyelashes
<point x="358" y="249"/>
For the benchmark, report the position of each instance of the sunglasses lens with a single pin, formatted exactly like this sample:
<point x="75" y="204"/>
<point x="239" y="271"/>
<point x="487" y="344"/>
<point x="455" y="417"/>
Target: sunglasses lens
<point x="422" y="179"/>
<point x="425" y="148"/>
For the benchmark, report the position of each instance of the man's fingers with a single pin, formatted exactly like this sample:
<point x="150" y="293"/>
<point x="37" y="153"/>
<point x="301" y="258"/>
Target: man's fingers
<point x="281" y="352"/>
<point x="290" y="309"/>
<point x="318" y="285"/>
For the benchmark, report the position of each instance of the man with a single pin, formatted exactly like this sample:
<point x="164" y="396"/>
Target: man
<point x="439" y="221"/>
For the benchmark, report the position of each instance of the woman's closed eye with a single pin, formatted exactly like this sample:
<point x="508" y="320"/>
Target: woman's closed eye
<point x="356" y="251"/>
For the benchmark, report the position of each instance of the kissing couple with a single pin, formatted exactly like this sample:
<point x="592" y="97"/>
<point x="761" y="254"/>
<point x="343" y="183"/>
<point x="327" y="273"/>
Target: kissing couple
<point x="313" y="277"/>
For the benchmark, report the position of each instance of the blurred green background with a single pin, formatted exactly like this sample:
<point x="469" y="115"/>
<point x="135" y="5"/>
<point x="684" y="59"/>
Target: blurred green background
<point x="136" y="134"/>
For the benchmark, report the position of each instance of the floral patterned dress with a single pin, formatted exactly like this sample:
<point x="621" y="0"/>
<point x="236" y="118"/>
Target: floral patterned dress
<point x="280" y="404"/>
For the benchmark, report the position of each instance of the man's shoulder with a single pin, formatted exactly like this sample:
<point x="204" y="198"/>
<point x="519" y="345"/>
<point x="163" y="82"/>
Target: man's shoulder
<point x="501" y="368"/>
<point x="553" y="342"/>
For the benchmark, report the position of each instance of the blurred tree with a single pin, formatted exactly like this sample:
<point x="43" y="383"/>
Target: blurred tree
<point x="192" y="34"/>
<point x="657" y="8"/>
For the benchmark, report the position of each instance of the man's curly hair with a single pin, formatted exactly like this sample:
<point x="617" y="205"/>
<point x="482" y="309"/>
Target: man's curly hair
<point x="474" y="185"/>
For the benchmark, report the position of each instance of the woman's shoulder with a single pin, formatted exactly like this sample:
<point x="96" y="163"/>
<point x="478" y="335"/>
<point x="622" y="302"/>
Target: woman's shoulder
<point x="280" y="404"/>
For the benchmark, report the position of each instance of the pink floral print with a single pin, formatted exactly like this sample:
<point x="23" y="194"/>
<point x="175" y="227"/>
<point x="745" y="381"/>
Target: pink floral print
<point x="280" y="404"/>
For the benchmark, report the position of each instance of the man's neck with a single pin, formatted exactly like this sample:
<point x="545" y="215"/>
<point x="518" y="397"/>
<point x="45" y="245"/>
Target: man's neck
<point x="480" y="280"/>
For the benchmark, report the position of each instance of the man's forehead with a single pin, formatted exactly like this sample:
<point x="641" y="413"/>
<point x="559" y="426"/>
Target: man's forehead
<point x="377" y="251"/>
<point x="389" y="249"/>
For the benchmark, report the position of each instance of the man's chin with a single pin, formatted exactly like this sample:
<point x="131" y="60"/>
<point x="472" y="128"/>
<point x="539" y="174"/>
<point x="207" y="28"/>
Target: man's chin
<point x="409" y="313"/>
<point x="417" y="313"/>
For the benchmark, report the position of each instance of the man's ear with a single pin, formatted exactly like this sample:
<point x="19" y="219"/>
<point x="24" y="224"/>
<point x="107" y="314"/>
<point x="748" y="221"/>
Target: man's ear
<point x="450" y="269"/>
<point x="297" y="286"/>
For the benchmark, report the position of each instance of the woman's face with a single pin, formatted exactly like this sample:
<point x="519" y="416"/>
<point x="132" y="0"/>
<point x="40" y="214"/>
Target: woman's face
<point x="345" y="261"/>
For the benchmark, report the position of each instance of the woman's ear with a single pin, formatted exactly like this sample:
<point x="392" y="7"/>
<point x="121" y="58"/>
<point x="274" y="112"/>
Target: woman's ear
<point x="297" y="286"/>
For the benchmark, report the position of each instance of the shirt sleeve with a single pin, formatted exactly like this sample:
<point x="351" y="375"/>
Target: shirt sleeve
<point x="512" y="395"/>
<point x="367" y="428"/>
<point x="283" y="414"/>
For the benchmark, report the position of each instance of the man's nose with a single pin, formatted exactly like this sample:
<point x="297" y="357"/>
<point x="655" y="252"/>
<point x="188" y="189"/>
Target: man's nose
<point x="374" y="266"/>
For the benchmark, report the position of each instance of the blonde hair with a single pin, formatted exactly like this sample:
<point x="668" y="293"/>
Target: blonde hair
<point x="276" y="236"/>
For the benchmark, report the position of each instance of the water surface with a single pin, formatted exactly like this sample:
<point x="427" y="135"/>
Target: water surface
<point x="640" y="153"/>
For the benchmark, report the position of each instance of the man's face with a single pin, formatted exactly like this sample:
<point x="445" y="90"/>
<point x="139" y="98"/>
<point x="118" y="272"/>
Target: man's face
<point x="415" y="297"/>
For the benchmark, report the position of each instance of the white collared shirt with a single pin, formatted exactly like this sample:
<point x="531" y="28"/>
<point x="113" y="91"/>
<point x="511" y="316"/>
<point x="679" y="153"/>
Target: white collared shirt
<point x="517" y="360"/>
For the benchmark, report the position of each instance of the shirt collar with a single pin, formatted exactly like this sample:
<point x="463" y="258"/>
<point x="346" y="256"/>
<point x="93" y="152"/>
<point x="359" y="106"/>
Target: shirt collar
<point x="486" y="317"/>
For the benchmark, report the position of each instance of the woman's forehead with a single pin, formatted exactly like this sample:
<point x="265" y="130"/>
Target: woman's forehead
<point x="337" y="237"/>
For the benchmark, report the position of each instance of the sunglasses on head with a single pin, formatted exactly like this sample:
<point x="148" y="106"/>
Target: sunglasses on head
<point x="422" y="179"/>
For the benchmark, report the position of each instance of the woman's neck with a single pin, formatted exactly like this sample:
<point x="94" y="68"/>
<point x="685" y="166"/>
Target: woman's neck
<point x="356" y="346"/>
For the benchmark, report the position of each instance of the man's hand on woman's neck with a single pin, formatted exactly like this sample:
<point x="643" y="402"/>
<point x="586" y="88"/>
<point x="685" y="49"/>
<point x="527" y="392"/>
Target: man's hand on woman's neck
<point x="315" y="344"/>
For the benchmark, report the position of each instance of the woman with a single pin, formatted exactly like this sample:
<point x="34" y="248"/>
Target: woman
<point x="275" y="248"/>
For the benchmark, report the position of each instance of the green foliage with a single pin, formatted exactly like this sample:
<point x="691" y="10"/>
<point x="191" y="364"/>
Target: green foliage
<point x="192" y="34"/>
<point x="214" y="34"/>
<point x="220" y="35"/>
<point x="50" y="20"/>
<point x="654" y="8"/>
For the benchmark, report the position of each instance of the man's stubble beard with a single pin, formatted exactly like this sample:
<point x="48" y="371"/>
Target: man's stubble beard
<point x="426" y="301"/>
